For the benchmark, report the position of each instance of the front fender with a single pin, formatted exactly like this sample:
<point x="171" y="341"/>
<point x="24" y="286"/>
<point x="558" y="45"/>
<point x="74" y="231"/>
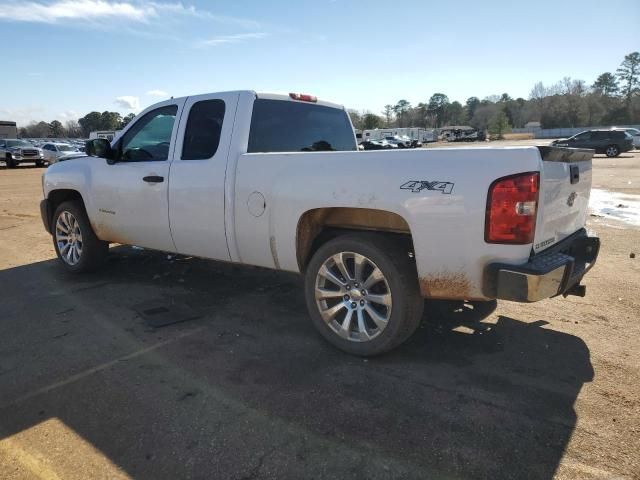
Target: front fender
<point x="74" y="176"/>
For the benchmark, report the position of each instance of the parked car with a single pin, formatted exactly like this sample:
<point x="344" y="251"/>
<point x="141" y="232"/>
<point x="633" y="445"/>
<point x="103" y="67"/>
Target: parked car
<point x="610" y="142"/>
<point x="276" y="181"/>
<point x="635" y="134"/>
<point x="15" y="151"/>
<point x="53" y="152"/>
<point x="399" y="141"/>
<point x="378" y="145"/>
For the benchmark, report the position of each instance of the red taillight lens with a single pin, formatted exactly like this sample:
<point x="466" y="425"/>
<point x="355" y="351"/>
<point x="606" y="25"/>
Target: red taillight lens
<point x="512" y="205"/>
<point x="303" y="97"/>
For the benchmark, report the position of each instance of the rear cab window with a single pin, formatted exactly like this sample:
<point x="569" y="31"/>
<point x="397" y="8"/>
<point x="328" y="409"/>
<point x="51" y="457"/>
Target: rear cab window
<point x="289" y="126"/>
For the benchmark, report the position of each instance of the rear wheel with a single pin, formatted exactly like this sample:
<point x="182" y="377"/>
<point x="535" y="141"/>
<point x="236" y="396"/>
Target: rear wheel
<point x="612" y="151"/>
<point x="362" y="294"/>
<point x="75" y="243"/>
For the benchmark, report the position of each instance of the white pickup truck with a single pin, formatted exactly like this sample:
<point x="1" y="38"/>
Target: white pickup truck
<point x="276" y="181"/>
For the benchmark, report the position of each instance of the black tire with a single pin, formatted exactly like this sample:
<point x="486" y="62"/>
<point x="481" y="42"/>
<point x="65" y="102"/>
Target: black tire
<point x="10" y="162"/>
<point x="40" y="163"/>
<point x="400" y="273"/>
<point x="612" y="151"/>
<point x="94" y="250"/>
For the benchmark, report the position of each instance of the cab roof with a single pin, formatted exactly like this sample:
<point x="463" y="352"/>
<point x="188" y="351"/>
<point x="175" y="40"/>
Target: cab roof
<point x="277" y="96"/>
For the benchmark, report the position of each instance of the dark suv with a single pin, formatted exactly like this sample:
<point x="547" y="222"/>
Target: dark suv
<point x="610" y="142"/>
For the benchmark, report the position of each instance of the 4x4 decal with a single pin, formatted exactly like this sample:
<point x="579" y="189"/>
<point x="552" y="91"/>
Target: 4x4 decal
<point x="418" y="185"/>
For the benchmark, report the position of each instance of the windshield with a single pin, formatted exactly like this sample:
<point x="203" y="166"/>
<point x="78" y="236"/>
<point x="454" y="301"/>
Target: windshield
<point x="65" y="148"/>
<point x="18" y="143"/>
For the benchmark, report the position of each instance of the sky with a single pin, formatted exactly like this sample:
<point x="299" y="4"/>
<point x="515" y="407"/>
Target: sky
<point x="64" y="58"/>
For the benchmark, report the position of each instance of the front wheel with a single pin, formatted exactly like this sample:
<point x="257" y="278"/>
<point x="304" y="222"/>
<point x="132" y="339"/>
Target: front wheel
<point x="40" y="163"/>
<point x="362" y="293"/>
<point x="612" y="151"/>
<point x="75" y="243"/>
<point x="10" y="162"/>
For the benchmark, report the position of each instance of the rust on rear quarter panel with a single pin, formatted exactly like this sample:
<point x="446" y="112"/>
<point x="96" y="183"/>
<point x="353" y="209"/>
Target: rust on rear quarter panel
<point x="446" y="285"/>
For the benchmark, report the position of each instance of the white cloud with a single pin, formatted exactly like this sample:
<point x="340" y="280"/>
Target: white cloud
<point x="23" y="116"/>
<point x="157" y="93"/>
<point x="128" y="102"/>
<point x="52" y="12"/>
<point x="236" y="38"/>
<point x="68" y="115"/>
<point x="142" y="11"/>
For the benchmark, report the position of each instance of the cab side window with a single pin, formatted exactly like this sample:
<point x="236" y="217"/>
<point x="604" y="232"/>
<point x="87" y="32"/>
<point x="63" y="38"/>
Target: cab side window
<point x="583" y="136"/>
<point x="204" y="126"/>
<point x="617" y="135"/>
<point x="150" y="137"/>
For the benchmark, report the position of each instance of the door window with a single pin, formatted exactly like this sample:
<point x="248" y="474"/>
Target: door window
<point x="582" y="137"/>
<point x="202" y="135"/>
<point x="150" y="137"/>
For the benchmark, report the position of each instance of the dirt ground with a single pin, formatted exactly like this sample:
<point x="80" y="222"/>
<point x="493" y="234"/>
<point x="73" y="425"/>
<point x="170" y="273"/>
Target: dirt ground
<point x="243" y="387"/>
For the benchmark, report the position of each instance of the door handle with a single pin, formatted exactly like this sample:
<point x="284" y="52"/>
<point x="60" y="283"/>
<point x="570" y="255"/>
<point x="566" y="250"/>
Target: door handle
<point x="153" y="179"/>
<point x="574" y="171"/>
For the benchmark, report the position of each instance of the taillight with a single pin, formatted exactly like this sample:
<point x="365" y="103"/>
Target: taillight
<point x="512" y="205"/>
<point x="303" y="97"/>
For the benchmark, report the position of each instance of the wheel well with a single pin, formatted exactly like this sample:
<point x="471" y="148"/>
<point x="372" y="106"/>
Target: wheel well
<point x="320" y="225"/>
<point x="56" y="197"/>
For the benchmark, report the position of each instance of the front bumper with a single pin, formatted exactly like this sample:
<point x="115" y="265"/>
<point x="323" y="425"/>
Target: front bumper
<point x="45" y="213"/>
<point x="556" y="271"/>
<point x="17" y="157"/>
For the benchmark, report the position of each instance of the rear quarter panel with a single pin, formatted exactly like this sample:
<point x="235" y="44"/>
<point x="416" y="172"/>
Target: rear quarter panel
<point x="447" y="227"/>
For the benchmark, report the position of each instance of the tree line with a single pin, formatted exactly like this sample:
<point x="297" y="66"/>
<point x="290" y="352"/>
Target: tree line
<point x="76" y="128"/>
<point x="613" y="98"/>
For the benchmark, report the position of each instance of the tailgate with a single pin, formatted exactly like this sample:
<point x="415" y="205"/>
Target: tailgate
<point x="565" y="185"/>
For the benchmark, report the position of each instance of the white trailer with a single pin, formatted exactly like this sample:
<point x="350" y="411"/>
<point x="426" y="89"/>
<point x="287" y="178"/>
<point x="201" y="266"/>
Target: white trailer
<point x="422" y="135"/>
<point x="106" y="134"/>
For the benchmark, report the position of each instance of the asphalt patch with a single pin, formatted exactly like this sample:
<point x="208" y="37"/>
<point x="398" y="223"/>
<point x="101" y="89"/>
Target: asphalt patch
<point x="157" y="314"/>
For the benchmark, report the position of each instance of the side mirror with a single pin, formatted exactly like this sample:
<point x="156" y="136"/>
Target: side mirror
<point x="100" y="147"/>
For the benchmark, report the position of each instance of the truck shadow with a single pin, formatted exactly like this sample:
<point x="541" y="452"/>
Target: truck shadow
<point x="243" y="386"/>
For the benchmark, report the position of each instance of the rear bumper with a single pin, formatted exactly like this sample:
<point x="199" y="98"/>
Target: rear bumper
<point x="556" y="271"/>
<point x="45" y="213"/>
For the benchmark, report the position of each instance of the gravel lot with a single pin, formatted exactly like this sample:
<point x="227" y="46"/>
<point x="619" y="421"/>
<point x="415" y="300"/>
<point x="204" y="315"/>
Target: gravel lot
<point x="244" y="388"/>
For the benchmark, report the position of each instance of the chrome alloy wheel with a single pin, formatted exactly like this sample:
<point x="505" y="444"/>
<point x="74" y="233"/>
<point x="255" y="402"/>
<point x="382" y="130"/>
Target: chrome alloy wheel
<point x="69" y="238"/>
<point x="353" y="296"/>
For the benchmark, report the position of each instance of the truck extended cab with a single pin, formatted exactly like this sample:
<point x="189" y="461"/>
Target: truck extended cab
<point x="276" y="181"/>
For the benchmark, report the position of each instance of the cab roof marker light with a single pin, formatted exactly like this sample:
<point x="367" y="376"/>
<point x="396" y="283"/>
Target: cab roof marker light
<point x="303" y="97"/>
